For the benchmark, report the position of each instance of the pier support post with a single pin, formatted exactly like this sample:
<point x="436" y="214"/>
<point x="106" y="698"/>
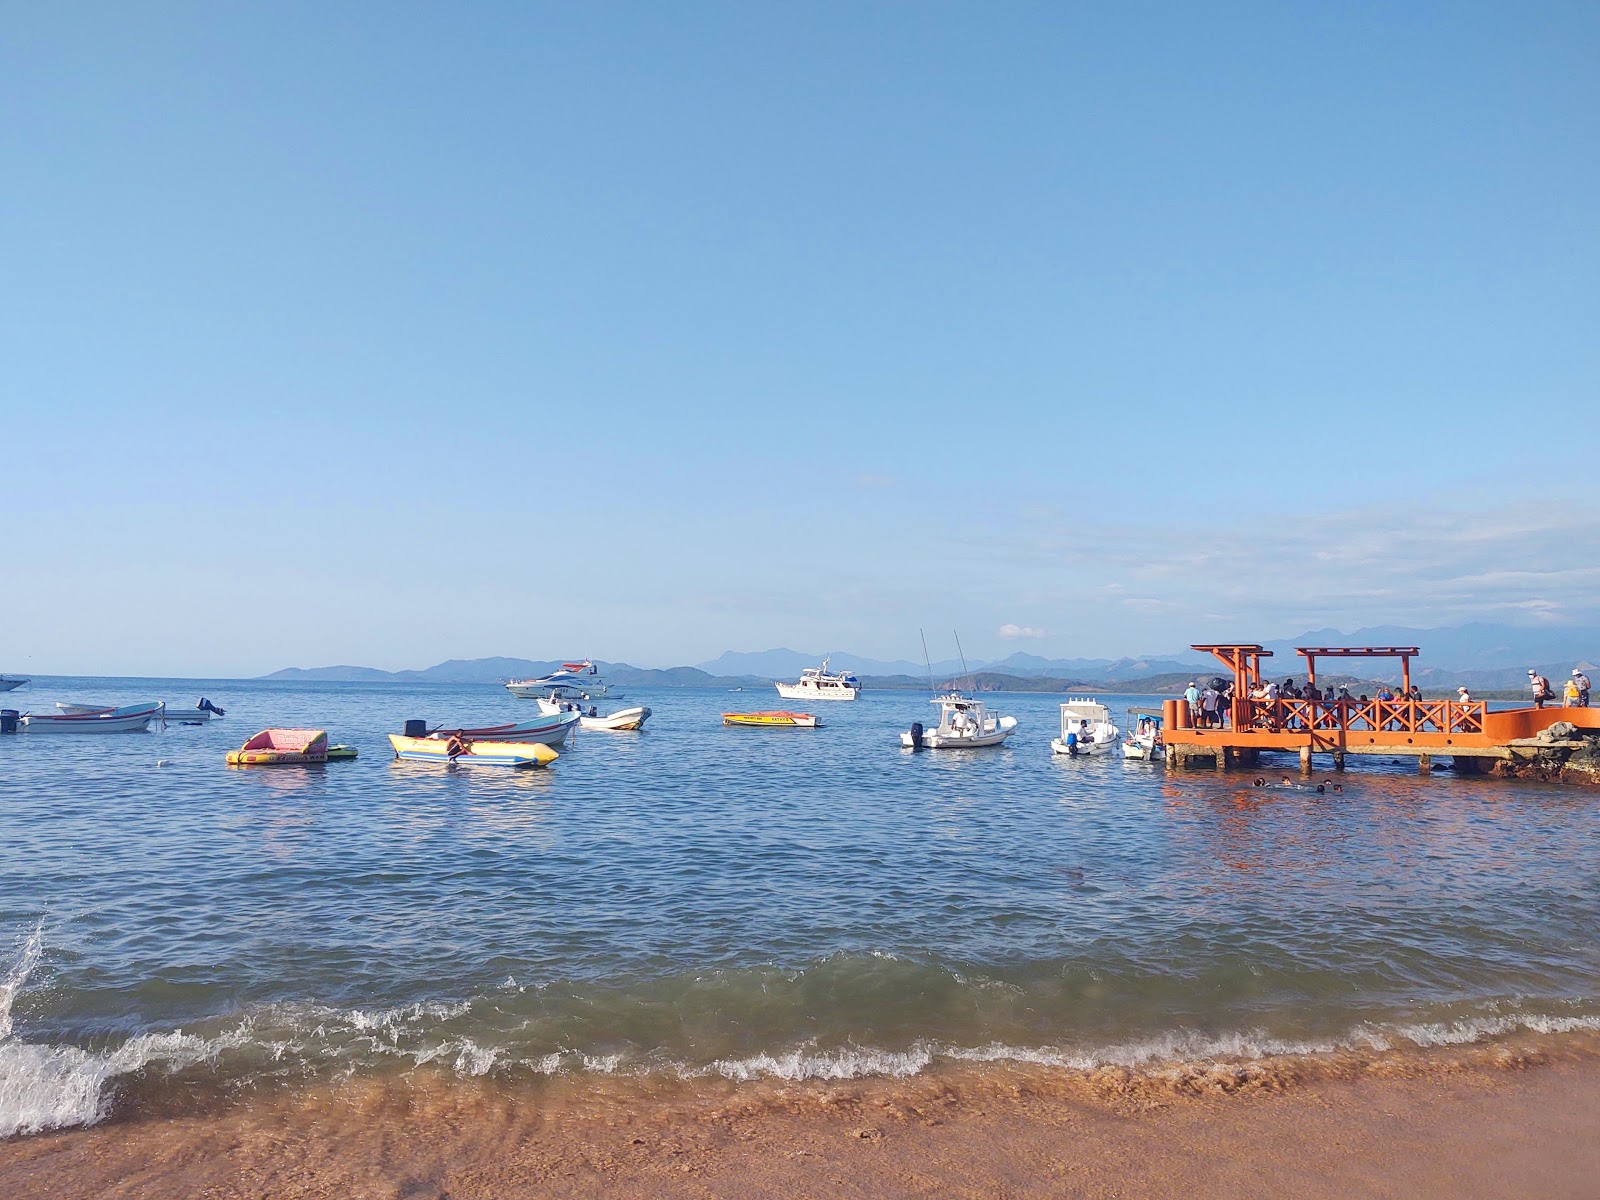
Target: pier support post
<point x="1305" y="760"/>
<point x="1338" y="760"/>
<point x="1221" y="759"/>
<point x="1424" y="764"/>
<point x="1172" y="758"/>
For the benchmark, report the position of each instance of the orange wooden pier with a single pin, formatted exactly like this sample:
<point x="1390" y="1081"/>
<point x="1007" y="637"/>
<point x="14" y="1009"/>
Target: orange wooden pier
<point x="1419" y="728"/>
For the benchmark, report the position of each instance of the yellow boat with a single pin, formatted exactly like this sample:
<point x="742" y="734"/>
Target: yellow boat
<point x="472" y="753"/>
<point x="773" y="720"/>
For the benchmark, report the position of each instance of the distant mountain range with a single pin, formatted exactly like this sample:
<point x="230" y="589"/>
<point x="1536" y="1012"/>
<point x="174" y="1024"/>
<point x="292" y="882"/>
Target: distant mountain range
<point x="1484" y="656"/>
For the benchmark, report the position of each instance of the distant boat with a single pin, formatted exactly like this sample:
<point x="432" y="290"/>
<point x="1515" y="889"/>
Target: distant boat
<point x="816" y="684"/>
<point x="964" y="724"/>
<point x="11" y="682"/>
<point x="131" y="718"/>
<point x="773" y="720"/>
<point x="574" y="681"/>
<point x="471" y="753"/>
<point x="1086" y="728"/>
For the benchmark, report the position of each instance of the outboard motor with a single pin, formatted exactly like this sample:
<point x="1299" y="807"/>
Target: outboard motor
<point x="206" y="706"/>
<point x="416" y="729"/>
<point x="1072" y="745"/>
<point x="8" y="720"/>
<point x="916" y="735"/>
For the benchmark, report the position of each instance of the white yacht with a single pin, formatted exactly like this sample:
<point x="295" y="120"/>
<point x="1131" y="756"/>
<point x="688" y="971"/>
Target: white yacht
<point x="574" y="681"/>
<point x="964" y="724"/>
<point x="1086" y="728"/>
<point x="8" y="682"/>
<point x="816" y="684"/>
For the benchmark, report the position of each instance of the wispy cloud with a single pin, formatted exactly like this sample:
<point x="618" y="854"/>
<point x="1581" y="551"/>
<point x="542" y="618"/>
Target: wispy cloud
<point x="1009" y="631"/>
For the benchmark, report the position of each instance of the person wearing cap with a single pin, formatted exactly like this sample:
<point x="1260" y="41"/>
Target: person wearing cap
<point x="1192" y="695"/>
<point x="1540" y="687"/>
<point x="1569" y="693"/>
<point x="1582" y="681"/>
<point x="1462" y="695"/>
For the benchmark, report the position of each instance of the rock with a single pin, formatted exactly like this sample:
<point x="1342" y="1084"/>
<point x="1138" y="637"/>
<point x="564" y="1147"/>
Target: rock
<point x="1561" y="731"/>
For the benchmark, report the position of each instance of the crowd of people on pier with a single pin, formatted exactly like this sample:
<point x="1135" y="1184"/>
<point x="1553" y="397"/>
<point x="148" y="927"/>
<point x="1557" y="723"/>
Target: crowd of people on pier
<point x="1213" y="704"/>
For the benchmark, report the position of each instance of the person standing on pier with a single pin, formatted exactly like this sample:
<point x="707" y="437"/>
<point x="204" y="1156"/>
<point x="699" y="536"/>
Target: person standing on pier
<point x="1569" y="694"/>
<point x="1540" y="687"/>
<point x="1582" y="680"/>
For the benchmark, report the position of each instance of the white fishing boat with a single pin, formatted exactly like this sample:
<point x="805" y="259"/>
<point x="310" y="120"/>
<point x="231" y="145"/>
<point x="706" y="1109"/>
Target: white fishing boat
<point x="574" y="681"/>
<point x="547" y="729"/>
<point x="131" y="718"/>
<point x="621" y="720"/>
<point x="815" y="683"/>
<point x="1144" y="734"/>
<point x="1086" y="728"/>
<point x="11" y="682"/>
<point x="963" y="724"/>
<point x="198" y="715"/>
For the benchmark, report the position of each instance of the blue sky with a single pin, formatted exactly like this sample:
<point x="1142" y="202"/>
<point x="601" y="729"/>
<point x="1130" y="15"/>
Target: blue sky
<point x="390" y="333"/>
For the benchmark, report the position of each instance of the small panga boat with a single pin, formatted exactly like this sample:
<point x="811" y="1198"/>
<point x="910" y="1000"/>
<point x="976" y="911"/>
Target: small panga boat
<point x="130" y="718"/>
<point x="550" y="729"/>
<point x="623" y="718"/>
<point x="773" y="720"/>
<point x="472" y="753"/>
<point x="282" y="747"/>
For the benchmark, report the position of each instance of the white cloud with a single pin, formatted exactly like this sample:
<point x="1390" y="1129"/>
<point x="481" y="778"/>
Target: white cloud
<point x="1022" y="631"/>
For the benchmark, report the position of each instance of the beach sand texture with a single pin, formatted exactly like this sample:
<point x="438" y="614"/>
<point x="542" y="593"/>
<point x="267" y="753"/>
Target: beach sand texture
<point x="1498" y="1123"/>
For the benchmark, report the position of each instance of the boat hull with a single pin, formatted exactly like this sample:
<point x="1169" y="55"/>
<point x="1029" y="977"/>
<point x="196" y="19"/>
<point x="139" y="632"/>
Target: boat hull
<point x="1101" y="747"/>
<point x="7" y="685"/>
<point x="551" y="730"/>
<point x="475" y="754"/>
<point x="793" y="691"/>
<point x="623" y="720"/>
<point x="965" y="741"/>
<point x="129" y="719"/>
<point x="772" y="720"/>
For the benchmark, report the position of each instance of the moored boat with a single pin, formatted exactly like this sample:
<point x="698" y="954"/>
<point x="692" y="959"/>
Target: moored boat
<point x="815" y="683"/>
<point x="472" y="753"/>
<point x="772" y="720"/>
<point x="130" y="718"/>
<point x="549" y="729"/>
<point x="1144" y="735"/>
<point x="1086" y="728"/>
<point x="622" y="719"/>
<point x="11" y="682"/>
<point x="964" y="724"/>
<point x="282" y="747"/>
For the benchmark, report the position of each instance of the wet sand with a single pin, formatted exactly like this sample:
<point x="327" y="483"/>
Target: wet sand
<point x="1498" y="1123"/>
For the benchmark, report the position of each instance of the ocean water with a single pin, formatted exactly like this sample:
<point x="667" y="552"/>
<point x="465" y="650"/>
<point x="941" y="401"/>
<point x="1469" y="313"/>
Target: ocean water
<point x="695" y="900"/>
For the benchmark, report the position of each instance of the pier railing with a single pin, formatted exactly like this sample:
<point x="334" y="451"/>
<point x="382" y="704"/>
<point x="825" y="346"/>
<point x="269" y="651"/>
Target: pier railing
<point x="1359" y="716"/>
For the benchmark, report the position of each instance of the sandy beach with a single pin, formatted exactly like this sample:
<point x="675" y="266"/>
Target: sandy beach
<point x="1501" y="1122"/>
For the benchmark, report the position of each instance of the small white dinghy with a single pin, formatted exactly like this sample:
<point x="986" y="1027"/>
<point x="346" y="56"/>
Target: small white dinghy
<point x="964" y="724"/>
<point x="1144" y="735"/>
<point x="1086" y="728"/>
<point x="622" y="719"/>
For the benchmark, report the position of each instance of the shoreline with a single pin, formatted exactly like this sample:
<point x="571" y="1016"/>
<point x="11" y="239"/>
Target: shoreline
<point x="1514" y="1118"/>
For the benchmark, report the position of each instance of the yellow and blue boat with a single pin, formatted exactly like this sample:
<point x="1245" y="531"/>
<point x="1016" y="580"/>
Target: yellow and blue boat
<point x="773" y="720"/>
<point x="472" y="753"/>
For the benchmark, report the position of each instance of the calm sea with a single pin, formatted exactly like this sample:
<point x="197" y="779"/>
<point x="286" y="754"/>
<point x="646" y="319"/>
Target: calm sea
<point x="699" y="900"/>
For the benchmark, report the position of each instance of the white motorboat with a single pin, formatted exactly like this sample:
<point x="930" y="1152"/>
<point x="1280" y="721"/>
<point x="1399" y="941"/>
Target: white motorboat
<point x="574" y="681"/>
<point x="548" y="729"/>
<point x="198" y="715"/>
<point x="1144" y="735"/>
<point x="622" y="719"/>
<point x="964" y="724"/>
<point x="1086" y="728"/>
<point x="815" y="683"/>
<point x="131" y="718"/>
<point x="11" y="682"/>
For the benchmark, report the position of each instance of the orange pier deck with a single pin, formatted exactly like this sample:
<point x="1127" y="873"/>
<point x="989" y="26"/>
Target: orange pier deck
<point x="1420" y="728"/>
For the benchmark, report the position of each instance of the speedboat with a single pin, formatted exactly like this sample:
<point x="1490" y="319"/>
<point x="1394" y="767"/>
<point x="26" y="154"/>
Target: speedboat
<point x="10" y="682"/>
<point x="1086" y="728"/>
<point x="282" y="748"/>
<point x="574" y="681"/>
<point x="1144" y="736"/>
<point x="622" y="719"/>
<point x="964" y="723"/>
<point x="470" y="752"/>
<point x="131" y="718"/>
<point x="816" y="684"/>
<point x="773" y="720"/>
<point x="548" y="729"/>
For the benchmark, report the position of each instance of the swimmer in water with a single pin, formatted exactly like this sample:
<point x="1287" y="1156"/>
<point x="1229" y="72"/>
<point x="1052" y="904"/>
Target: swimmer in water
<point x="1258" y="782"/>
